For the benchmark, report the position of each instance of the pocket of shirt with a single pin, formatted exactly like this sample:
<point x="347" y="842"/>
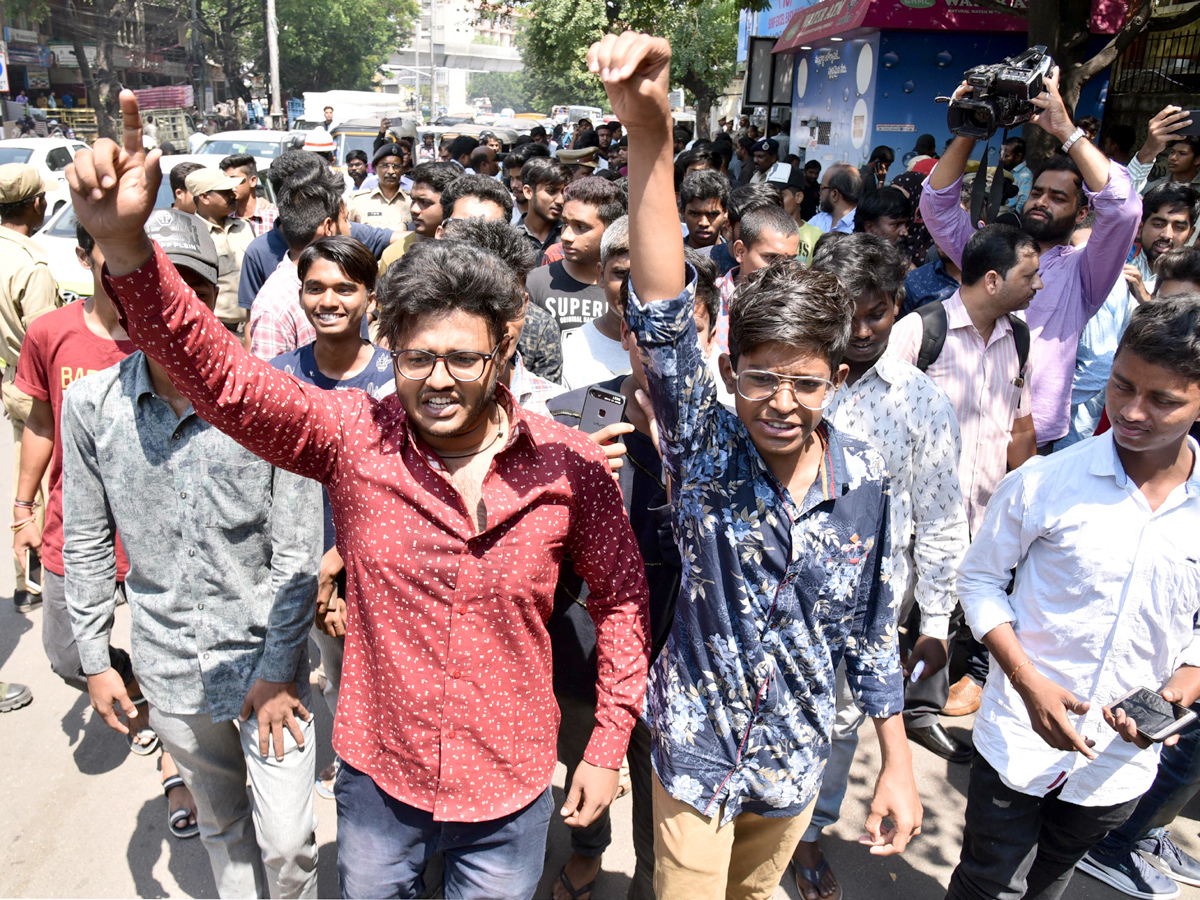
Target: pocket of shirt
<point x="236" y="496"/>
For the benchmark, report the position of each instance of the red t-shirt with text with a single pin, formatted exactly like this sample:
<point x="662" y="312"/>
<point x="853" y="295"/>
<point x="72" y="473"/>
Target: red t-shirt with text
<point x="58" y="349"/>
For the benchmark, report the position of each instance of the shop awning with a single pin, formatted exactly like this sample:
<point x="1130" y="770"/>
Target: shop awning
<point x="820" y="21"/>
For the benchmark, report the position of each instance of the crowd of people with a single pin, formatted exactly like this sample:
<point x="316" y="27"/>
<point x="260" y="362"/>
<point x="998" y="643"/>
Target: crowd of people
<point x="672" y="461"/>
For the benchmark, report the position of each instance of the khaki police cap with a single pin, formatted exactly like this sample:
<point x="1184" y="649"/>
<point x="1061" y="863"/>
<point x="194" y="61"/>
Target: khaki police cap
<point x="20" y="182"/>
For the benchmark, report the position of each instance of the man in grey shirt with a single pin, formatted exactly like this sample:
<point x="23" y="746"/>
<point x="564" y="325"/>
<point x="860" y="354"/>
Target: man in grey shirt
<point x="224" y="551"/>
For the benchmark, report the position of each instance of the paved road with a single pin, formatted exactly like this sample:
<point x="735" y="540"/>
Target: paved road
<point x="82" y="817"/>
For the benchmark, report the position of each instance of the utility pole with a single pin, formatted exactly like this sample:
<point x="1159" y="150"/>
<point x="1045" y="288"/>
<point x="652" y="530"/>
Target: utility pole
<point x="273" y="63"/>
<point x="198" y="59"/>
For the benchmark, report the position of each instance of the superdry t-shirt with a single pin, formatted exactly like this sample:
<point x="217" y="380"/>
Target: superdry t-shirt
<point x="571" y="302"/>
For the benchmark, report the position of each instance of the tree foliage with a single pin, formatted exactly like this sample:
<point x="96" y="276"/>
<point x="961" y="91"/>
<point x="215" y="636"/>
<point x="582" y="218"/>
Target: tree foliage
<point x="504" y="89"/>
<point x="338" y="44"/>
<point x="231" y="33"/>
<point x="703" y="36"/>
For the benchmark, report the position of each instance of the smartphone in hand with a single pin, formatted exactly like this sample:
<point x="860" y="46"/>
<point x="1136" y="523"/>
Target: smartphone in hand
<point x="601" y="408"/>
<point x="33" y="571"/>
<point x="1156" y="718"/>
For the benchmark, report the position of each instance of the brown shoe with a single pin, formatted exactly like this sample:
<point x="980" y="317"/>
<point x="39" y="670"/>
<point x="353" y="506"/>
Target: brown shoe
<point x="963" y="699"/>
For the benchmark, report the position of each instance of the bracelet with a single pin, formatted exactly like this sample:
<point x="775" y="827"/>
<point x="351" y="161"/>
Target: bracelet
<point x="1072" y="140"/>
<point x="25" y="504"/>
<point x="1013" y="673"/>
<point x="17" y="526"/>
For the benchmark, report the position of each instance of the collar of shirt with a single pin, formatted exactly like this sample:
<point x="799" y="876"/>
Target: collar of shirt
<point x="531" y="391"/>
<point x="26" y="243"/>
<point x="143" y="383"/>
<point x="229" y="225"/>
<point x="516" y="417"/>
<point x="377" y="191"/>
<point x="958" y="317"/>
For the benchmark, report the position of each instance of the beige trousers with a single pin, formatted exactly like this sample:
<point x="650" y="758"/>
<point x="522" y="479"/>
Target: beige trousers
<point x="18" y="404"/>
<point x="697" y="858"/>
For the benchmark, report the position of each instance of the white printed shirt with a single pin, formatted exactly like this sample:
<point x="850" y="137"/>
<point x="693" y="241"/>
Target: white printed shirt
<point x="1104" y="600"/>
<point x="907" y="418"/>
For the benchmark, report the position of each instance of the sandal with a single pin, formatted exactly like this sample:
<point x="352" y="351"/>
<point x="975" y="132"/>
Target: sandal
<point x="144" y="733"/>
<point x="177" y="820"/>
<point x="325" y="785"/>
<point x="575" y="892"/>
<point x="813" y="877"/>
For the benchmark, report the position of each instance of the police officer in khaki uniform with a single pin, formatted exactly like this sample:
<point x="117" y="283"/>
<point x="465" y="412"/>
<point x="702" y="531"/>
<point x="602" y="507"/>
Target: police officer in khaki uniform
<point x="27" y="289"/>
<point x="581" y="163"/>
<point x="216" y="201"/>
<point x="385" y="205"/>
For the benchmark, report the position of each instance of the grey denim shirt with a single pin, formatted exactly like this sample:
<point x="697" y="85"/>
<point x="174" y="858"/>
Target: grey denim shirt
<point x="224" y="549"/>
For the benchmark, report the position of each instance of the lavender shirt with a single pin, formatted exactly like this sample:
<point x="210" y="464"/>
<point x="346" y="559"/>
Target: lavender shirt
<point x="1077" y="281"/>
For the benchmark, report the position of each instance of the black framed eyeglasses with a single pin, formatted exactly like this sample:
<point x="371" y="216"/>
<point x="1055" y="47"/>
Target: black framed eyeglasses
<point x="810" y="392"/>
<point x="463" y="365"/>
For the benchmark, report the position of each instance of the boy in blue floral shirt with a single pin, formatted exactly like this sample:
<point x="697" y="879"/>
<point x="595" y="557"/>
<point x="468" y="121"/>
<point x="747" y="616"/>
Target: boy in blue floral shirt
<point x="782" y="524"/>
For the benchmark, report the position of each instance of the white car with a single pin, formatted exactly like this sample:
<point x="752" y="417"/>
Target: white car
<point x="57" y="235"/>
<point x="268" y="144"/>
<point x="51" y="157"/>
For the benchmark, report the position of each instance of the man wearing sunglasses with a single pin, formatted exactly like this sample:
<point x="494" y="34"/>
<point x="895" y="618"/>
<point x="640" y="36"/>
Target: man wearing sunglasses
<point x="386" y="205"/>
<point x="453" y="509"/>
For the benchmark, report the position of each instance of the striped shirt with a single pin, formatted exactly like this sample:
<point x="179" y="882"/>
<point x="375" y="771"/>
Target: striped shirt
<point x="726" y="285"/>
<point x="981" y="378"/>
<point x="278" y="324"/>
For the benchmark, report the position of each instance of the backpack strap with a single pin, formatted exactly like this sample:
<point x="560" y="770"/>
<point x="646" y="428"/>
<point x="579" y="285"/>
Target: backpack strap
<point x="1021" y="338"/>
<point x="933" y="333"/>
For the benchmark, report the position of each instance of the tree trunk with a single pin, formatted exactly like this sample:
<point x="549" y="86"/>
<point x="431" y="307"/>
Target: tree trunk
<point x="1062" y="26"/>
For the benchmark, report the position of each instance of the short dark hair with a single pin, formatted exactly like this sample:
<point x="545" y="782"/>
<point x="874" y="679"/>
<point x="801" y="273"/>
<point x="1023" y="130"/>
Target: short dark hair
<point x="541" y="170"/>
<point x="537" y="131"/>
<point x="745" y="143"/>
<point x="846" y="180"/>
<point x="1123" y="135"/>
<point x="609" y="200"/>
<point x="994" y="248"/>
<point x="1060" y="162"/>
<point x="502" y="240"/>
<point x="1017" y="144"/>
<point x="291" y="164"/>
<point x="437" y="175"/>
<point x="1178" y="265"/>
<point x="750" y="197"/>
<point x="179" y="174"/>
<point x="706" y="156"/>
<point x="887" y="201"/>
<point x="605" y="126"/>
<point x="1193" y="142"/>
<point x="83" y="239"/>
<point x="520" y="155"/>
<point x="244" y="162"/>
<point x="865" y="264"/>
<point x="794" y="305"/>
<point x="350" y="255"/>
<point x="706" y="283"/>
<point x="773" y="217"/>
<point x="305" y="203"/>
<point x="480" y="155"/>
<point x="812" y="164"/>
<point x="1175" y="195"/>
<point x="436" y="277"/>
<point x="884" y="153"/>
<point x="356" y="154"/>
<point x="704" y="184"/>
<point x="1166" y="333"/>
<point x="463" y="145"/>
<point x="479" y="186"/>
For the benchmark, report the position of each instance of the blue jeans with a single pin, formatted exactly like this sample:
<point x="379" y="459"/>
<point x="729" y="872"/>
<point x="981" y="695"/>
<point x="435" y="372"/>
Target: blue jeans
<point x="1175" y="784"/>
<point x="384" y="845"/>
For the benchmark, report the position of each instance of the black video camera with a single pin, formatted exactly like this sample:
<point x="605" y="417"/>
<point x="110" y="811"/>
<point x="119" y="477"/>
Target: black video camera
<point x="1001" y="94"/>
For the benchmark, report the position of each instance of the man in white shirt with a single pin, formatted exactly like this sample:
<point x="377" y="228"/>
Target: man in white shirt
<point x="593" y="352"/>
<point x="1106" y="588"/>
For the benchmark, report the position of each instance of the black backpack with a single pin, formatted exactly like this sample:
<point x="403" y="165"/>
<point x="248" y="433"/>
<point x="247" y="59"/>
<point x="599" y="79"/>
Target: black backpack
<point x="933" y="336"/>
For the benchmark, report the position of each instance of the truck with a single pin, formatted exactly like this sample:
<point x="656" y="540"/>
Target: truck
<point x="170" y="108"/>
<point x="352" y="105"/>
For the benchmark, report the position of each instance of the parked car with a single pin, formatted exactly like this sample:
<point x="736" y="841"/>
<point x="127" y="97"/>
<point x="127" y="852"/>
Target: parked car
<point x="57" y="235"/>
<point x="50" y="156"/>
<point x="266" y="144"/>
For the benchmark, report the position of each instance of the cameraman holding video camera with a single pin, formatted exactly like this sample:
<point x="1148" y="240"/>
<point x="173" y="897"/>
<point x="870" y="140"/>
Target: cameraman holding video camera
<point x="1077" y="279"/>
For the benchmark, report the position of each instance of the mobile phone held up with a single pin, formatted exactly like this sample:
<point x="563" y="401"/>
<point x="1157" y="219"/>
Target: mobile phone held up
<point x="1192" y="130"/>
<point x="1156" y="719"/>
<point x="33" y="571"/>
<point x="601" y="408"/>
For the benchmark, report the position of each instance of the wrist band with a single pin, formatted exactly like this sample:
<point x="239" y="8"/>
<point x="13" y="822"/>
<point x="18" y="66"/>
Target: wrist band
<point x="17" y="526"/>
<point x="1013" y="673"/>
<point x="1073" y="139"/>
<point x="25" y="504"/>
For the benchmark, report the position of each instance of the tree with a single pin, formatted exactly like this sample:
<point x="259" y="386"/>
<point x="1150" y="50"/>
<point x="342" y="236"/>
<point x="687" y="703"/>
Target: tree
<point x="232" y="32"/>
<point x="554" y="47"/>
<point x="338" y="44"/>
<point x="99" y="22"/>
<point x="503" y="89"/>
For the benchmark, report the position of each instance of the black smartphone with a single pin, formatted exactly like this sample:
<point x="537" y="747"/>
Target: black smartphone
<point x="601" y="408"/>
<point x="1192" y="130"/>
<point x="33" y="571"/>
<point x="1157" y="719"/>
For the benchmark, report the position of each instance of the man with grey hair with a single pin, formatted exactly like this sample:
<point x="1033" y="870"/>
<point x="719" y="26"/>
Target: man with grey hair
<point x="593" y="351"/>
<point x="841" y="186"/>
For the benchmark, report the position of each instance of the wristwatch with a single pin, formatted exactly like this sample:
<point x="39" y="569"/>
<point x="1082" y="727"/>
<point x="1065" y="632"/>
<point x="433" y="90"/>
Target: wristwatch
<point x="1075" y="136"/>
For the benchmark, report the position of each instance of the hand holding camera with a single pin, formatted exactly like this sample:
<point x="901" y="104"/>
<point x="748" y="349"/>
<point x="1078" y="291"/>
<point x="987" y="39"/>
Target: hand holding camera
<point x="1007" y="94"/>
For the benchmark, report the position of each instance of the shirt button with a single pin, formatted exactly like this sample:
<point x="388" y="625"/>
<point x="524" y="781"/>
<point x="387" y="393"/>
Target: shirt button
<point x="183" y="495"/>
<point x="456" y="673"/>
<point x="449" y="734"/>
<point x="199" y="606"/>
<point x="206" y="656"/>
<point x="175" y="436"/>
<point x="192" y="552"/>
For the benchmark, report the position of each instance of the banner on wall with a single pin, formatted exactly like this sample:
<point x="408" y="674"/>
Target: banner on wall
<point x="3" y="68"/>
<point x="37" y="76"/>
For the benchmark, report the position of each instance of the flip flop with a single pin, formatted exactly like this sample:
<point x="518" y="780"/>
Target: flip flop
<point x="177" y="820"/>
<point x="813" y="877"/>
<point x="144" y="733"/>
<point x="575" y="892"/>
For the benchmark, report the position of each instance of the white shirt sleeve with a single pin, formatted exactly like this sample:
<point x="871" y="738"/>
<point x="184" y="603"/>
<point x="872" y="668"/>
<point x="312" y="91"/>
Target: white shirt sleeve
<point x="997" y="548"/>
